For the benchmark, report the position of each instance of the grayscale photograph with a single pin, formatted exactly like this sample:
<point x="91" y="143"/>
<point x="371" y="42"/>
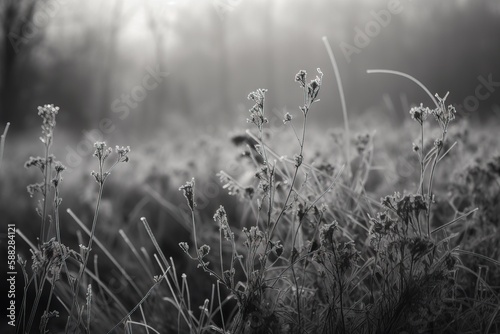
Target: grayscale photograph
<point x="250" y="166"/>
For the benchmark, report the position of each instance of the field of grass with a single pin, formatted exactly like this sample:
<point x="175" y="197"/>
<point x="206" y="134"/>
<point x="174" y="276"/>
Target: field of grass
<point x="275" y="229"/>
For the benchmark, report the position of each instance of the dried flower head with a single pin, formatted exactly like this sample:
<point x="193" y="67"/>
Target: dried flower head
<point x="59" y="167"/>
<point x="188" y="192"/>
<point x="34" y="188"/>
<point x="38" y="162"/>
<point x="257" y="111"/>
<point x="326" y="233"/>
<point x="288" y="118"/>
<point x="48" y="113"/>
<point x="101" y="150"/>
<point x="203" y="251"/>
<point x="220" y="217"/>
<point x="123" y="153"/>
<point x="444" y="114"/>
<point x="301" y="78"/>
<point x="254" y="236"/>
<point x="420" y="113"/>
<point x="314" y="86"/>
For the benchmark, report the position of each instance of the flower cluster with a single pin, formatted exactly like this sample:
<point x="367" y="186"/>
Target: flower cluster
<point x="311" y="89"/>
<point x="51" y="257"/>
<point x="48" y="113"/>
<point x="102" y="151"/>
<point x="220" y="217"/>
<point x="444" y="114"/>
<point x="254" y="237"/>
<point x="420" y="113"/>
<point x="123" y="153"/>
<point x="301" y="78"/>
<point x="405" y="207"/>
<point x="257" y="111"/>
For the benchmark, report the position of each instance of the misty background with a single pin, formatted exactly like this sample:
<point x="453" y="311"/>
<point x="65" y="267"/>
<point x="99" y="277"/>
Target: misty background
<point x="200" y="59"/>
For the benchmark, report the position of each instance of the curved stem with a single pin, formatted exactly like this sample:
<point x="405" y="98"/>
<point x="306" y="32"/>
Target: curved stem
<point x="404" y="75"/>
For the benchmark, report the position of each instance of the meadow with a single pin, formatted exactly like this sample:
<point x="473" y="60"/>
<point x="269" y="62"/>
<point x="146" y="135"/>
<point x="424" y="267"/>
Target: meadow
<point x="276" y="228"/>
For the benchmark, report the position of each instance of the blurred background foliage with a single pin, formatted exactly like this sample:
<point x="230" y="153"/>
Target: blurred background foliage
<point x="83" y="56"/>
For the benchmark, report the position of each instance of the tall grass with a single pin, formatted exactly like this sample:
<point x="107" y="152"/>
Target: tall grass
<point x="315" y="255"/>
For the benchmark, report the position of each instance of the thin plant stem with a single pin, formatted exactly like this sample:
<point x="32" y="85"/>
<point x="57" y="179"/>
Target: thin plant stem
<point x="347" y="135"/>
<point x="2" y="142"/>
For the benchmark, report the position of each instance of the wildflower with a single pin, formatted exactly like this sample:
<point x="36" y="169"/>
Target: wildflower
<point x="203" y="251"/>
<point x="36" y="162"/>
<point x="123" y="153"/>
<point x="188" y="191"/>
<point x="419" y="113"/>
<point x="99" y="177"/>
<point x="59" y="167"/>
<point x="34" y="188"/>
<point x="314" y="86"/>
<point x="221" y="217"/>
<point x="48" y="113"/>
<point x="301" y="78"/>
<point x="326" y="233"/>
<point x="443" y="114"/>
<point x="410" y="205"/>
<point x="288" y="118"/>
<point x="101" y="151"/>
<point x="50" y="257"/>
<point x="257" y="111"/>
<point x="254" y="236"/>
<point x="390" y="202"/>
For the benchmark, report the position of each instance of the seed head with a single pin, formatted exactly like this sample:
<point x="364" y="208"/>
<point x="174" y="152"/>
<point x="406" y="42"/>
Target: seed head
<point x="301" y="78"/>
<point x="188" y="192"/>
<point x="123" y="153"/>
<point x="420" y="113"/>
<point x="287" y="118"/>
<point x="314" y="86"/>
<point x="48" y="113"/>
<point x="101" y="150"/>
<point x="203" y="251"/>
